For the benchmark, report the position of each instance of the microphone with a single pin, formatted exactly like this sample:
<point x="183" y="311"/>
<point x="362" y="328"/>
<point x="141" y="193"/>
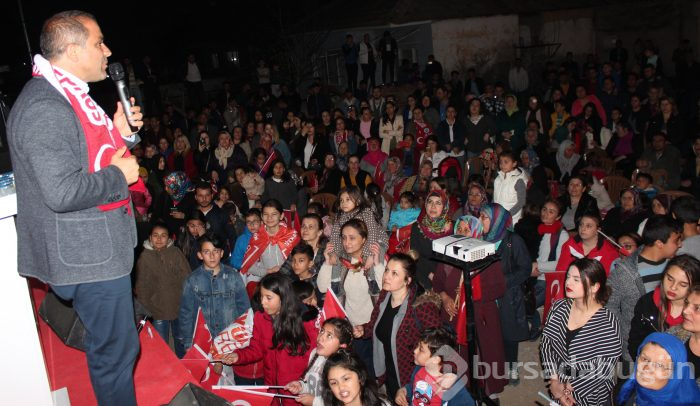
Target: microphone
<point x="116" y="72"/>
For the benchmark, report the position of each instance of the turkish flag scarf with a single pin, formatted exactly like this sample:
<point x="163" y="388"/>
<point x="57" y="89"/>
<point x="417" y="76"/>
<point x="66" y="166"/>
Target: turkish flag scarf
<point x="101" y="137"/>
<point x="286" y="238"/>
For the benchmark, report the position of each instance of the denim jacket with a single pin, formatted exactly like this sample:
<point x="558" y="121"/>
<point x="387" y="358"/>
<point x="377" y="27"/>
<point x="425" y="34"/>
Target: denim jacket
<point x="223" y="298"/>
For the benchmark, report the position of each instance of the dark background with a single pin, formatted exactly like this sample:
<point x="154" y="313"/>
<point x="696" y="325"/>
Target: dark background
<point x="165" y="30"/>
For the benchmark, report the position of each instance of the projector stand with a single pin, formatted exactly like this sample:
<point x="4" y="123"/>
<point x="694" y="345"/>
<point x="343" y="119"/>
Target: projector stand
<point x="469" y="271"/>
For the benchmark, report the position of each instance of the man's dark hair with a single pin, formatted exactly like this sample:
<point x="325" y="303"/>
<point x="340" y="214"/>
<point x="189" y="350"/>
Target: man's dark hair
<point x="204" y="185"/>
<point x="686" y="209"/>
<point x="660" y="228"/>
<point x="644" y="175"/>
<point x="63" y="29"/>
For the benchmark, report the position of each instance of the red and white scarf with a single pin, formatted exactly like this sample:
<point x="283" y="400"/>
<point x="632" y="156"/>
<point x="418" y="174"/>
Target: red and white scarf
<point x="285" y="238"/>
<point x="101" y="137"/>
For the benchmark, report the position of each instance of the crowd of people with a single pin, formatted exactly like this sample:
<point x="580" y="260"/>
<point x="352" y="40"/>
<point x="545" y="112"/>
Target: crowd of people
<point x="334" y="193"/>
<point x="261" y="200"/>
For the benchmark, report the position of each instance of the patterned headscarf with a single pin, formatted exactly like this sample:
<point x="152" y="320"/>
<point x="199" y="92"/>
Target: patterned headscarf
<point x="435" y="228"/>
<point x="475" y="210"/>
<point x="476" y="229"/>
<point x="501" y="222"/>
<point x="178" y="185"/>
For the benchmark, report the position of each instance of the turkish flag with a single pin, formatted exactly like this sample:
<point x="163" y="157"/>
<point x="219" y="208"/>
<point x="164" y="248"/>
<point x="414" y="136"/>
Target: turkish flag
<point x="291" y="218"/>
<point x="197" y="359"/>
<point x="555" y="289"/>
<point x="268" y="163"/>
<point x="331" y="307"/>
<point x="400" y="240"/>
<point x="247" y="396"/>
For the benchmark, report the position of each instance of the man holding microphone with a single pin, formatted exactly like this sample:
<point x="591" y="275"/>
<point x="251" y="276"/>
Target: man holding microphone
<point x="73" y="173"/>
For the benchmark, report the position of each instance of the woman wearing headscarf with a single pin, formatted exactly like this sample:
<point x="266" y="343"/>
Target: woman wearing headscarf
<point x="488" y="289"/>
<point x="476" y="199"/>
<point x="626" y="217"/>
<point x="393" y="179"/>
<point x="516" y="266"/>
<point x="176" y="203"/>
<point x="433" y="222"/>
<point x="661" y="375"/>
<point x="569" y="163"/>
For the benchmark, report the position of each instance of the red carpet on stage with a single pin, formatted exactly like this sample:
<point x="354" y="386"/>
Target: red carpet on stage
<point x="158" y="376"/>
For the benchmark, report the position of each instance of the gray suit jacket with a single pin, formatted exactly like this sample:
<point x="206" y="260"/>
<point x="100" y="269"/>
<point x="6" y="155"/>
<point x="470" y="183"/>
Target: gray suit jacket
<point x="63" y="237"/>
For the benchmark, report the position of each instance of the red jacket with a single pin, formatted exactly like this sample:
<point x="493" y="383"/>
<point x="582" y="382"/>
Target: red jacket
<point x="279" y="367"/>
<point x="423" y="311"/>
<point x="190" y="167"/>
<point x="572" y="249"/>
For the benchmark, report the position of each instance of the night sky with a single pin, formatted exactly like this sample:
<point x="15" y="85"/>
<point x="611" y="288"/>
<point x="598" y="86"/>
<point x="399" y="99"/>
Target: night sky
<point x="165" y="30"/>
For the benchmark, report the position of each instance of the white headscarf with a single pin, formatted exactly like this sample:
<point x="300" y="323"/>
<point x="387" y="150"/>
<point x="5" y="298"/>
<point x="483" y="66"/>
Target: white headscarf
<point x="566" y="165"/>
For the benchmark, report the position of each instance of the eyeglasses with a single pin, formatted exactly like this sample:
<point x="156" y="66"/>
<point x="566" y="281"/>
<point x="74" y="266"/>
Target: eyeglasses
<point x="644" y="361"/>
<point x="474" y="194"/>
<point x="252" y="223"/>
<point x="628" y="246"/>
<point x="215" y="251"/>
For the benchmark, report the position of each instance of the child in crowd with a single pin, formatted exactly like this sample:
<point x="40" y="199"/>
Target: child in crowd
<point x="270" y="246"/>
<point x="353" y="204"/>
<point x="428" y="382"/>
<point x="510" y="185"/>
<point x="195" y="227"/>
<point x="644" y="182"/>
<point x="214" y="287"/>
<point x="306" y="293"/>
<point x="160" y="273"/>
<point x="406" y="213"/>
<point x="302" y="261"/>
<point x="253" y="219"/>
<point x="142" y="200"/>
<point x="282" y="333"/>
<point x="346" y="382"/>
<point x="335" y="334"/>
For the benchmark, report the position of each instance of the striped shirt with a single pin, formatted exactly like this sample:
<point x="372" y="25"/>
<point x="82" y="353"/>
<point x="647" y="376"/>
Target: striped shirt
<point x="589" y="361"/>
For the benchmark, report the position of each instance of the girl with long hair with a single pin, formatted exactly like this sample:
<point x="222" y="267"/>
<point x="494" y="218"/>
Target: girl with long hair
<point x="281" y="337"/>
<point x="335" y="335"/>
<point x="662" y="308"/>
<point x="347" y="383"/>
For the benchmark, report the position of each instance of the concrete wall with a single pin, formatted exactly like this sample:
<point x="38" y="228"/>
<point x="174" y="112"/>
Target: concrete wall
<point x="574" y="30"/>
<point x="484" y="42"/>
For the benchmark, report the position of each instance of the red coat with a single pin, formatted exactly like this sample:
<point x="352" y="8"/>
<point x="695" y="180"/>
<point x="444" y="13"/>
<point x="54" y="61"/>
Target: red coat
<point x="279" y="367"/>
<point x="190" y="167"/>
<point x="572" y="249"/>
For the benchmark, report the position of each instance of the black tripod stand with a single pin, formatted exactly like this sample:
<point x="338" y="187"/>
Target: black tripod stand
<point x="469" y="271"/>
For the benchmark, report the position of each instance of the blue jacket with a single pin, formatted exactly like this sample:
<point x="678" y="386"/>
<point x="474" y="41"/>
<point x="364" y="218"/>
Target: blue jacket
<point x="236" y="259"/>
<point x="223" y="298"/>
<point x="462" y="397"/>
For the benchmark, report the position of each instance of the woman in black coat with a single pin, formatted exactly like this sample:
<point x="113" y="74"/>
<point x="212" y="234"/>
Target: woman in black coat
<point x="626" y="217"/>
<point x="309" y="148"/>
<point x="577" y="202"/>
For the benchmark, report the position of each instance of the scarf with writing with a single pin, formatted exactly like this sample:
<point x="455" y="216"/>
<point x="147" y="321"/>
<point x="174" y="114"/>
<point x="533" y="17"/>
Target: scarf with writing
<point x="101" y="137"/>
<point x="285" y="238"/>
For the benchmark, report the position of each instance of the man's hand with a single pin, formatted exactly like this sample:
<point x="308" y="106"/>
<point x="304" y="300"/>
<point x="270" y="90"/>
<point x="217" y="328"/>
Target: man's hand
<point x="358" y="331"/>
<point x="294" y="387"/>
<point x="128" y="165"/>
<point x="121" y="122"/>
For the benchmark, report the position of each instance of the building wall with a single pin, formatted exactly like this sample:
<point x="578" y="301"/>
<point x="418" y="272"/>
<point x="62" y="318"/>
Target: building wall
<point x="485" y="43"/>
<point x="575" y="30"/>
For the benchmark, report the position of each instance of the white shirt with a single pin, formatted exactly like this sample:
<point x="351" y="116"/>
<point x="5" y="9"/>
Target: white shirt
<point x="193" y="74"/>
<point x="308" y="150"/>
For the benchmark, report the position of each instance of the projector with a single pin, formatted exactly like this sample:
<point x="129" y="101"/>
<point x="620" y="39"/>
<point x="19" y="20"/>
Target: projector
<point x="464" y="248"/>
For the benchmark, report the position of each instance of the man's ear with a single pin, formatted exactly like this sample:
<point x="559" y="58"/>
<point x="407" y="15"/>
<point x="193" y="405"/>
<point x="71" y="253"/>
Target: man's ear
<point x="199" y="255"/>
